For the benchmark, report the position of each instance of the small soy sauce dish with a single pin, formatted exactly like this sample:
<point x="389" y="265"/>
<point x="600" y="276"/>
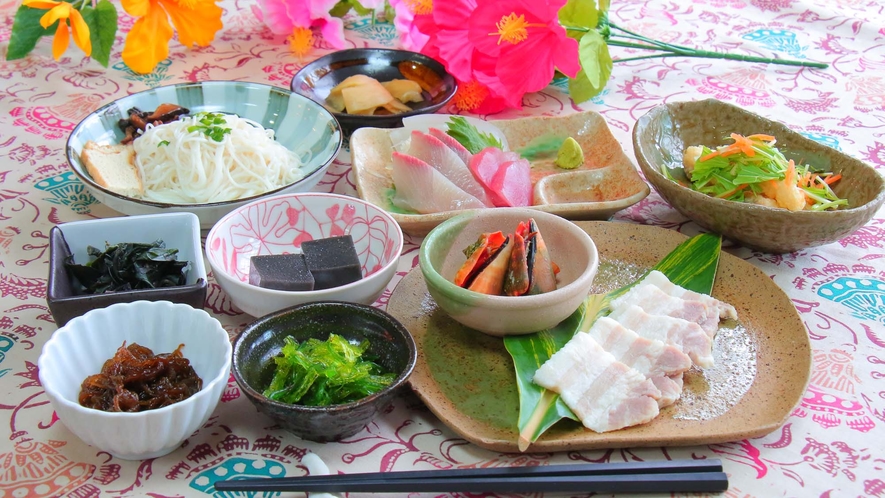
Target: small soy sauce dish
<point x="316" y="80"/>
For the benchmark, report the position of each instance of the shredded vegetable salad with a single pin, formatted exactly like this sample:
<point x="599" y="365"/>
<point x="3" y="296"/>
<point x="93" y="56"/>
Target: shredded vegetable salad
<point x="752" y="169"/>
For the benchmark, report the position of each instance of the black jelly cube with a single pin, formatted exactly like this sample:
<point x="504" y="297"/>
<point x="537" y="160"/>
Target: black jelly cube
<point x="281" y="272"/>
<point x="332" y="261"/>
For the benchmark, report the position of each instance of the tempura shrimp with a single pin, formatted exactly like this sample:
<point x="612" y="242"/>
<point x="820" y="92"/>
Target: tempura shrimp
<point x="690" y="157"/>
<point x="786" y="193"/>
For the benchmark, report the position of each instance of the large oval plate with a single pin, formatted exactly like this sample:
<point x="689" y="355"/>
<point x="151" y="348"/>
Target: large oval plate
<point x="467" y="379"/>
<point x="610" y="183"/>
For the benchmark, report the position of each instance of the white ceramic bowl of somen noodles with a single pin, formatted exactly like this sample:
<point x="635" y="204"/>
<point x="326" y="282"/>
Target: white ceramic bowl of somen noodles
<point x="305" y="129"/>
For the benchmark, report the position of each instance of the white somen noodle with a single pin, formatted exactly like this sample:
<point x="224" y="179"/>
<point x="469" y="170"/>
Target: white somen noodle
<point x="190" y="167"/>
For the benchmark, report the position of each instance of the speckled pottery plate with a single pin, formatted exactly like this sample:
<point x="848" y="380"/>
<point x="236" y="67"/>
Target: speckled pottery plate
<point x="762" y="367"/>
<point x="606" y="183"/>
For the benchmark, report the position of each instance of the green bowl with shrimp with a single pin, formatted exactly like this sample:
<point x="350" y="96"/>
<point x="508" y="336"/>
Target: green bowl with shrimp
<point x="760" y="221"/>
<point x="442" y="256"/>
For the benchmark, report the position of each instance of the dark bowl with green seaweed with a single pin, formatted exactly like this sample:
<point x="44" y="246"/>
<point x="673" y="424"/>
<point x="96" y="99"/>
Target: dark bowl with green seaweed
<point x="385" y="348"/>
<point x="96" y="263"/>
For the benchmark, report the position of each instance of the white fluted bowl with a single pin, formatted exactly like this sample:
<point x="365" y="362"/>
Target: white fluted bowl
<point x="79" y="349"/>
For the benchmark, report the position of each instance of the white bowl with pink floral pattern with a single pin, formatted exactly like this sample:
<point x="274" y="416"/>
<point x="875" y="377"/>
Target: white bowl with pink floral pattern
<point x="279" y="224"/>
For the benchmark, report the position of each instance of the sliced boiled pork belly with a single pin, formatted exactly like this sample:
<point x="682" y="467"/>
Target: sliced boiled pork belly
<point x="422" y="188"/>
<point x="437" y="154"/>
<point x="654" y="359"/>
<point x="724" y="310"/>
<point x="688" y="336"/>
<point x="451" y="143"/>
<point x="603" y="392"/>
<point x="654" y="301"/>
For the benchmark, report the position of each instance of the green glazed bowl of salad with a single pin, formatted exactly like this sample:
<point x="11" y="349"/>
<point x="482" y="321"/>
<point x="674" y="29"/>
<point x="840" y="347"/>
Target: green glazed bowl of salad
<point x="754" y="180"/>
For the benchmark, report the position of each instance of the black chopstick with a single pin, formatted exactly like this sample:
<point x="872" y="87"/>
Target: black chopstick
<point x="675" y="476"/>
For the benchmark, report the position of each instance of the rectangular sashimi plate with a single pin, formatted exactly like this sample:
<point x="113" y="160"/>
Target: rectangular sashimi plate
<point x="607" y="182"/>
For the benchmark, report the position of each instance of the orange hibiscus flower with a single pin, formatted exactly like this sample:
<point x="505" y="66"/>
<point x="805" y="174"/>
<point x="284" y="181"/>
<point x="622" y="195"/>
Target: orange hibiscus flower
<point x="64" y="13"/>
<point x="147" y="43"/>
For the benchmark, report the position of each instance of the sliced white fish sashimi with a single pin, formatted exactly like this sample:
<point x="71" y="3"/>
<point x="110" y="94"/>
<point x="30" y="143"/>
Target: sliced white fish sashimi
<point x="603" y="392"/>
<point x="688" y="336"/>
<point x="657" y="278"/>
<point x="451" y="143"/>
<point x="434" y="152"/>
<point x="655" y="359"/>
<point x="422" y="188"/>
<point x="657" y="302"/>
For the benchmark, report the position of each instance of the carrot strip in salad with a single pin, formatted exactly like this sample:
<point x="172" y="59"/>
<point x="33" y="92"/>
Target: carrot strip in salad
<point x="764" y="138"/>
<point x="833" y="179"/>
<point x="752" y="169"/>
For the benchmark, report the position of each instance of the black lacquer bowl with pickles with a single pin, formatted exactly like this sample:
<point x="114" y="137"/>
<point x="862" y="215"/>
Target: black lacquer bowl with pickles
<point x="309" y="407"/>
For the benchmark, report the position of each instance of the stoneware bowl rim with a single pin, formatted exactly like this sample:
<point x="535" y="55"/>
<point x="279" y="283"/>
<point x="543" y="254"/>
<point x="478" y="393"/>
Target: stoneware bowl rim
<point x="655" y="170"/>
<point x="809" y="228"/>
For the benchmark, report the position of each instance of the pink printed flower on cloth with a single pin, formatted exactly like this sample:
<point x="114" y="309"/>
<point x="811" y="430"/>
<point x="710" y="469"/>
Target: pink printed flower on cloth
<point x="298" y="18"/>
<point x="511" y="47"/>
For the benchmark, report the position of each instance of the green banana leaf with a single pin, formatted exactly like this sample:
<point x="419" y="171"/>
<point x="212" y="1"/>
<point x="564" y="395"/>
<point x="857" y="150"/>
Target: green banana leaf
<point x="691" y="265"/>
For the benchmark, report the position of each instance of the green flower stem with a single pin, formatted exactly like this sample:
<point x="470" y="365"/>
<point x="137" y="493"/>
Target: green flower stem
<point x="643" y="57"/>
<point x="618" y="43"/>
<point x="706" y="54"/>
<point x="671" y="50"/>
<point x="646" y="39"/>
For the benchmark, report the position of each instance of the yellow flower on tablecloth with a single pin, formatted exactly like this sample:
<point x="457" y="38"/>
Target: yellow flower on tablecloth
<point x="196" y="22"/>
<point x="63" y="12"/>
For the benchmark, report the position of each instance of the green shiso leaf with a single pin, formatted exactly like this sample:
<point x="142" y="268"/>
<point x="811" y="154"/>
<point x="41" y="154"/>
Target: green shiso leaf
<point x="469" y="136"/>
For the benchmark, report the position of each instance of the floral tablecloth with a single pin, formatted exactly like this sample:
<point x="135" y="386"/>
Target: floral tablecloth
<point x="832" y="445"/>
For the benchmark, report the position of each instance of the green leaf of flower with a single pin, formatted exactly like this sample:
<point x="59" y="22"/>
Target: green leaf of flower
<point x="340" y="9"/>
<point x="596" y="67"/>
<point x="359" y="9"/>
<point x="580" y="89"/>
<point x="595" y="59"/>
<point x="579" y="13"/>
<point x="389" y="12"/>
<point x="26" y="31"/>
<point x="603" y="7"/>
<point x="102" y="22"/>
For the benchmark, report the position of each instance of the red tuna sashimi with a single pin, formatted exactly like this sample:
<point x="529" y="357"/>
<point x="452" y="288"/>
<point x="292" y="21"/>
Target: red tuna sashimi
<point x="486" y="166"/>
<point x="421" y="188"/>
<point x="435" y="153"/>
<point x="513" y="182"/>
<point x="451" y="143"/>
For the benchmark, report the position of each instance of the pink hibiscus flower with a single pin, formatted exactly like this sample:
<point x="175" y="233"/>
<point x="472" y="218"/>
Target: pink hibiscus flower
<point x="411" y="38"/>
<point x="524" y="30"/>
<point x="298" y="19"/>
<point x="510" y="47"/>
